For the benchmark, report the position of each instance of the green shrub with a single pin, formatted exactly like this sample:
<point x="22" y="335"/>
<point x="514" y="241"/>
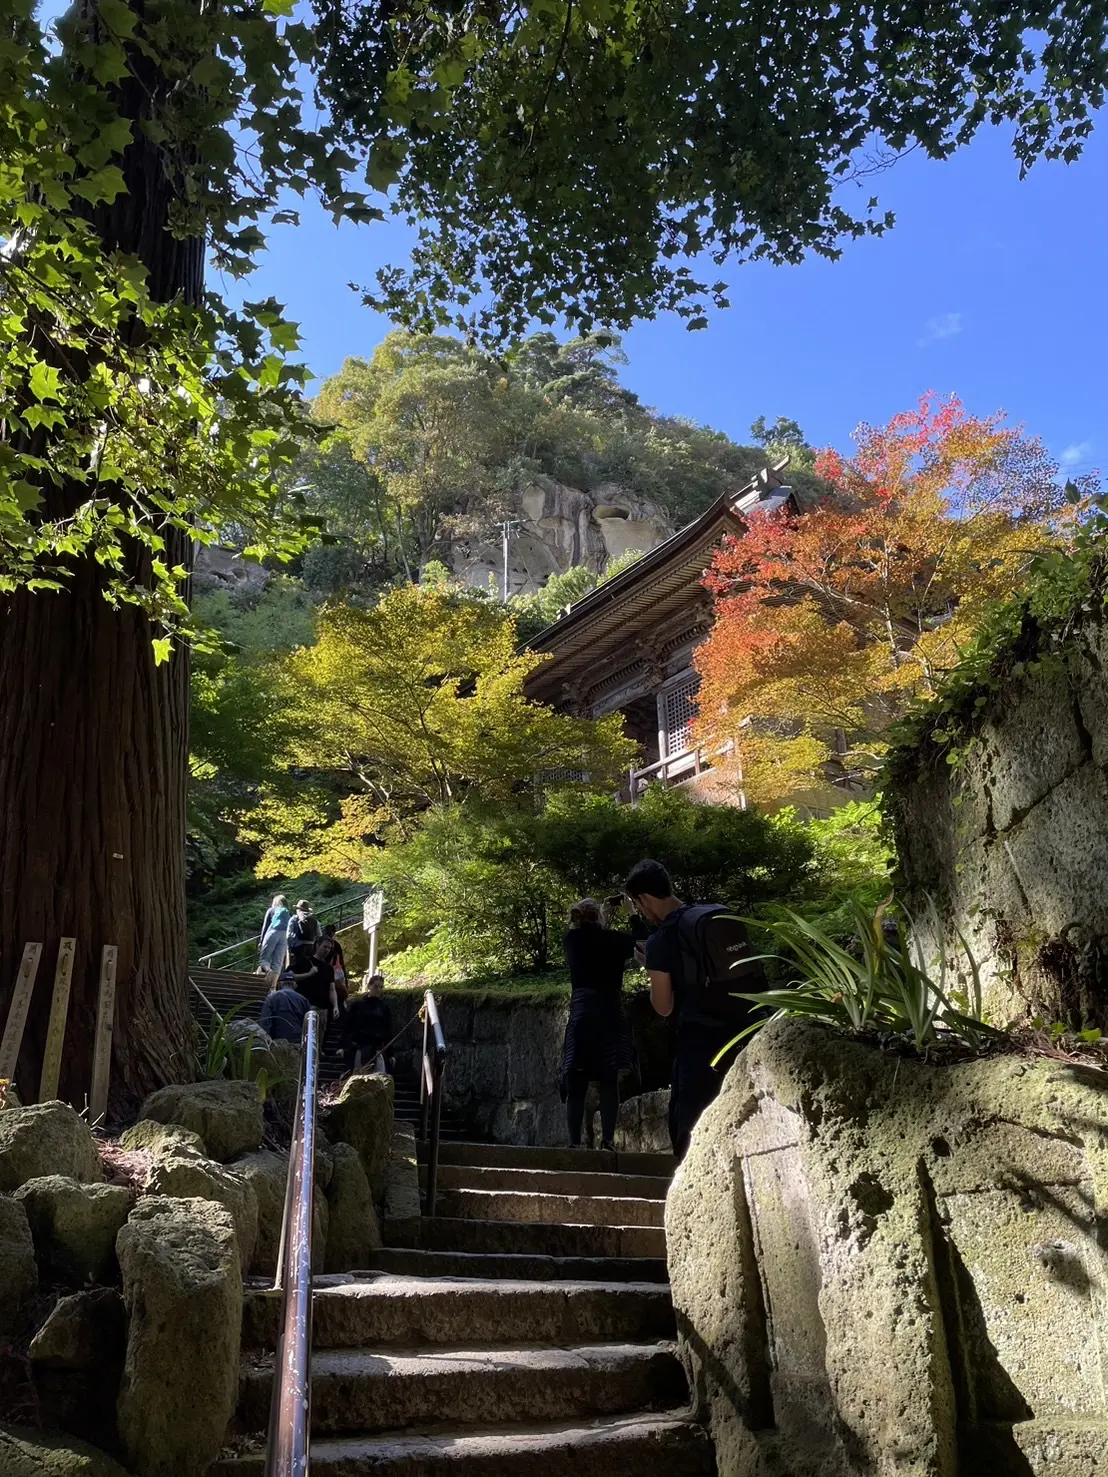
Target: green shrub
<point x="714" y="853"/>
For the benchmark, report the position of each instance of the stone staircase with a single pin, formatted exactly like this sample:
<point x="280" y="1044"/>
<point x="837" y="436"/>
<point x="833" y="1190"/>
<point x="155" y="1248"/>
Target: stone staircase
<point x="526" y="1331"/>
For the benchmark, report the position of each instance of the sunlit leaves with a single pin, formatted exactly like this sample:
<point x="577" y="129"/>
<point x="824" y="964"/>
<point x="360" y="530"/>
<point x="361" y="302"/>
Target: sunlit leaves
<point x="419" y="700"/>
<point x="124" y="418"/>
<point x="835" y="621"/>
<point x="567" y="155"/>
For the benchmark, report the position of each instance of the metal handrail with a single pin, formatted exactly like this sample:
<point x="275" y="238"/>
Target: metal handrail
<point x="205" y="960"/>
<point x="290" y="1410"/>
<point x="430" y="1092"/>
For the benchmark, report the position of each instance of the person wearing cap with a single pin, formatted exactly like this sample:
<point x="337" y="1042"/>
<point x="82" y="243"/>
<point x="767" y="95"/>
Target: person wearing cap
<point x="303" y="926"/>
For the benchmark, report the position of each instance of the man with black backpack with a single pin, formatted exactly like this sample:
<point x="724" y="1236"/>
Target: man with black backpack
<point x="697" y="958"/>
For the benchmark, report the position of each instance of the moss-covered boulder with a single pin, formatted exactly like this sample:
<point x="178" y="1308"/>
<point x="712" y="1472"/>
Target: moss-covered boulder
<point x="49" y="1138"/>
<point x="226" y="1115"/>
<point x="363" y="1118"/>
<point x="186" y="1175"/>
<point x="881" y="1265"/>
<point x="74" y="1227"/>
<point x="353" y="1232"/>
<point x="182" y="1284"/>
<point x="77" y="1362"/>
<point x="158" y="1139"/>
<point x="18" y="1269"/>
<point x="266" y="1172"/>
<point x="43" y="1454"/>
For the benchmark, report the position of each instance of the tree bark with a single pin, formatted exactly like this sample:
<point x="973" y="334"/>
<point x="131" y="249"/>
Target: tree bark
<point x="94" y="747"/>
<point x="93" y="766"/>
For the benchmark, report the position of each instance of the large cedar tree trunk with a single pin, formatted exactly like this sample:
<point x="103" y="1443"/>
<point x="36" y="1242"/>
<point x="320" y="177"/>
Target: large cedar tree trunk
<point x="94" y="758"/>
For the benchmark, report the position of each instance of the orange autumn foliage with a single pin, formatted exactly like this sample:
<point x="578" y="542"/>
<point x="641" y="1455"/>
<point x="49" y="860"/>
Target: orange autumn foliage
<point x="830" y="621"/>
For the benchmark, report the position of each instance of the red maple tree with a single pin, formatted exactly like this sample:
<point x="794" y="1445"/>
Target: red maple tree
<point x="829" y="621"/>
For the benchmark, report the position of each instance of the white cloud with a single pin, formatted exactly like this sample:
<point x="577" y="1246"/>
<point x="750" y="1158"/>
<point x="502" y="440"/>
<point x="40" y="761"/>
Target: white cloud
<point x="946" y="325"/>
<point x="1076" y="453"/>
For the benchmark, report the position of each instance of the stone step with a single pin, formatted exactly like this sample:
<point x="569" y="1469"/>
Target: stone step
<point x="548" y="1181"/>
<point x="515" y="1156"/>
<point x="389" y="1309"/>
<point x="527" y="1205"/>
<point x="518" y="1266"/>
<point x="446" y="1233"/>
<point x="662" y="1444"/>
<point x="357" y="1390"/>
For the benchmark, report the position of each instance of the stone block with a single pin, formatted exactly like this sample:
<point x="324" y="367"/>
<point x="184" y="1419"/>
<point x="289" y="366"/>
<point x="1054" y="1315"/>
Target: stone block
<point x="182" y="1284"/>
<point x="1031" y="746"/>
<point x="185" y="1177"/>
<point x="47" y="1454"/>
<point x="363" y="1118"/>
<point x="402" y="1202"/>
<point x="74" y="1227"/>
<point x="77" y="1363"/>
<point x="643" y="1124"/>
<point x="266" y="1172"/>
<point x="535" y="1041"/>
<point x="353" y="1233"/>
<point x="226" y="1115"/>
<point x="1059" y="849"/>
<point x="18" y="1269"/>
<point x="47" y="1139"/>
<point x="159" y="1139"/>
<point x="883" y="1265"/>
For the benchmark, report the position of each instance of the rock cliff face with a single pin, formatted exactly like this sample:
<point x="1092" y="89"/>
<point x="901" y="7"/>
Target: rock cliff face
<point x="884" y="1266"/>
<point x="562" y="526"/>
<point x="1012" y="844"/>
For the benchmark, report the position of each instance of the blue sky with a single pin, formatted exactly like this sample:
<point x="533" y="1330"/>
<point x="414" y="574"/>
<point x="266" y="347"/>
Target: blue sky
<point x="987" y="285"/>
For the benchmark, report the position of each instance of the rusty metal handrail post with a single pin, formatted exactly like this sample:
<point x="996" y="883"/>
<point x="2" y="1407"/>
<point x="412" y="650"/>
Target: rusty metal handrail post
<point x="430" y="1092"/>
<point x="290" y="1411"/>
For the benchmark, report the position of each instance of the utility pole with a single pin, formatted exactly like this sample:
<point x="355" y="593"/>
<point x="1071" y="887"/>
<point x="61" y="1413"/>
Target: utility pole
<point x="506" y="533"/>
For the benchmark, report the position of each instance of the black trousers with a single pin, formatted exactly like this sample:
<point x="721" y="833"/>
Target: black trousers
<point x="695" y="1082"/>
<point x="577" y="1089"/>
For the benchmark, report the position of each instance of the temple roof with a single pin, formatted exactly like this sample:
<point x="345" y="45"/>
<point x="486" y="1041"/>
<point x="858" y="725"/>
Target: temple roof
<point x="632" y="622"/>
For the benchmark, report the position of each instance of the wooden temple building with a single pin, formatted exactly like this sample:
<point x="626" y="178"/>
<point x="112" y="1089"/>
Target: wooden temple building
<point x="628" y="646"/>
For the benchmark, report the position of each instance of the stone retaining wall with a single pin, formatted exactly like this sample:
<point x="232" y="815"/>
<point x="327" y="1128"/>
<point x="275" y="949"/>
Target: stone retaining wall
<point x="504" y="1058"/>
<point x="1013" y="842"/>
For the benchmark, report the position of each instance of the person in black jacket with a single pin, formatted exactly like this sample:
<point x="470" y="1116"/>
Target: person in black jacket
<point x="314" y="977"/>
<point x="597" y="1041"/>
<point x="367" y="1027"/>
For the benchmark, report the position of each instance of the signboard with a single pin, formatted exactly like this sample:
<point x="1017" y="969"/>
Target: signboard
<point x="372" y="909"/>
<point x="102" y="1051"/>
<point x="55" y="1033"/>
<point x="17" y="1014"/>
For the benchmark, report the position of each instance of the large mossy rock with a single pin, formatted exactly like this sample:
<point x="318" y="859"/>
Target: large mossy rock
<point x="353" y="1232"/>
<point x="43" y="1454"/>
<point x="226" y="1115"/>
<point x="186" y="1175"/>
<point x="18" y="1269"/>
<point x="182" y="1284"/>
<point x="77" y="1359"/>
<point x="47" y="1139"/>
<point x="74" y="1227"/>
<point x="885" y="1266"/>
<point x="362" y="1118"/>
<point x="266" y="1172"/>
<point x="642" y="1125"/>
<point x="159" y="1139"/>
